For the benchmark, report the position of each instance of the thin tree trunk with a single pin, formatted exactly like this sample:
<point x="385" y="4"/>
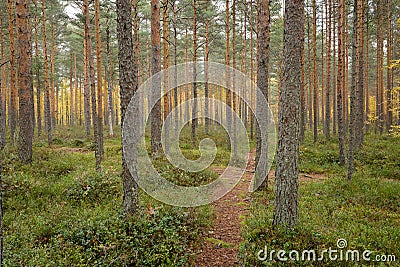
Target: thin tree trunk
<point x="346" y="71"/>
<point x="359" y="117"/>
<point x="303" y="114"/>
<point x="328" y="72"/>
<point x="315" y="80"/>
<point x="251" y="70"/>
<point x="92" y="82"/>
<point x="310" y="102"/>
<point x="38" y="82"/>
<point x="334" y="100"/>
<point x="71" y="91"/>
<point x="234" y="85"/>
<point x="187" y="108"/>
<point x="194" y="89"/>
<point x="177" y="116"/>
<point x="13" y="104"/>
<point x="1" y="200"/>
<point x="136" y="45"/>
<point x="353" y="96"/>
<point x="366" y="83"/>
<point x="263" y="51"/>
<point x="389" y="107"/>
<point x="52" y="74"/>
<point x="244" y="69"/>
<point x="206" y="89"/>
<point x="109" y="78"/>
<point x="379" y="68"/>
<point x="99" y="84"/>
<point x="76" y="92"/>
<point x="80" y="100"/>
<point x="322" y="110"/>
<point x="47" y="111"/>
<point x="166" y="95"/>
<point x="340" y="84"/>
<point x="3" y="122"/>
<point x="156" y="121"/>
<point x="228" y="97"/>
<point x="86" y="80"/>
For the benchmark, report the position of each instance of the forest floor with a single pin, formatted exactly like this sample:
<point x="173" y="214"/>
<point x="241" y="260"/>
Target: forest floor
<point x="365" y="212"/>
<point x="59" y="211"/>
<point x="220" y="245"/>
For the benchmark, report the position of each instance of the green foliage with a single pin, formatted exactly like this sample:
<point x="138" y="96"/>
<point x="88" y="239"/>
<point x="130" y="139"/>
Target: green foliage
<point x="92" y="187"/>
<point x="58" y="211"/>
<point x="364" y="211"/>
<point x="182" y="177"/>
<point x="320" y="157"/>
<point x="380" y="157"/>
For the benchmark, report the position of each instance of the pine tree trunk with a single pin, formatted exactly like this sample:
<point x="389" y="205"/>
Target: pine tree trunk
<point x="286" y="181"/>
<point x="346" y="71"/>
<point x="321" y="103"/>
<point x="92" y="82"/>
<point x="309" y="71"/>
<point x="340" y="83"/>
<point x="359" y="117"/>
<point x="13" y="104"/>
<point x="3" y="113"/>
<point x="109" y="77"/>
<point x="156" y="121"/>
<point x="47" y="108"/>
<point x="328" y="72"/>
<point x="206" y="89"/>
<point x="228" y="97"/>
<point x="303" y="113"/>
<point x="194" y="89"/>
<point x="99" y="84"/>
<point x="366" y="83"/>
<point x="315" y="80"/>
<point x="334" y="100"/>
<point x="166" y="95"/>
<point x="76" y="92"/>
<point x="86" y="81"/>
<point x="379" y="68"/>
<point x="79" y="99"/>
<point x="71" y="91"/>
<point x="52" y="74"/>
<point x="353" y="96"/>
<point x="128" y="82"/>
<point x="389" y="107"/>
<point x="263" y="51"/>
<point x="37" y="73"/>
<point x="25" y="91"/>
<point x="251" y="70"/>
<point x="234" y="85"/>
<point x="244" y="69"/>
<point x="177" y="116"/>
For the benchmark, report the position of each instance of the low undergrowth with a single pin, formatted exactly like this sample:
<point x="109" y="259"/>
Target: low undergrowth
<point x="365" y="211"/>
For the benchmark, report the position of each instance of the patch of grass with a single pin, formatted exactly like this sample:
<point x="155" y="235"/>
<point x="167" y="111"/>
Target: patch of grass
<point x="219" y="243"/>
<point x="380" y="156"/>
<point x="181" y="177"/>
<point x="320" y="157"/>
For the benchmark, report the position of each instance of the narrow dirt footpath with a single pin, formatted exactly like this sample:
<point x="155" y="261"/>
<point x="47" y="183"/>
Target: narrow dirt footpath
<point x="221" y="244"/>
